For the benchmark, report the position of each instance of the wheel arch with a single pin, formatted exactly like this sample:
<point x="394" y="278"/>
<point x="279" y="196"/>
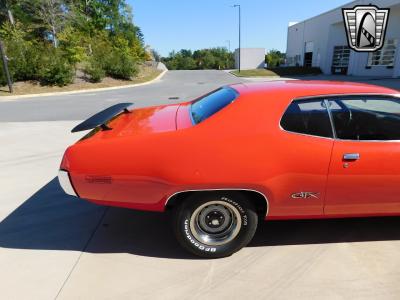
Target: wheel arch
<point x="257" y="198"/>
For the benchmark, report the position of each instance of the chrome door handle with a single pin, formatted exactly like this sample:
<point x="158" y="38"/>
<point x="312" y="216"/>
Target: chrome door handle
<point x="351" y="156"/>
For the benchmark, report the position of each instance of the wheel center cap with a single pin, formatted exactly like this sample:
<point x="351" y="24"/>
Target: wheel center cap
<point x="215" y="222"/>
<point x="215" y="219"/>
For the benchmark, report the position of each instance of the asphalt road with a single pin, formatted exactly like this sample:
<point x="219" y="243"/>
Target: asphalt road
<point x="175" y="86"/>
<point x="56" y="246"/>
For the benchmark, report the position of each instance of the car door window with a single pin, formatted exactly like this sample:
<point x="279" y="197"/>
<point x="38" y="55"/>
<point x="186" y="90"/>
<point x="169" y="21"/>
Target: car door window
<point x="307" y="117"/>
<point x="366" y="118"/>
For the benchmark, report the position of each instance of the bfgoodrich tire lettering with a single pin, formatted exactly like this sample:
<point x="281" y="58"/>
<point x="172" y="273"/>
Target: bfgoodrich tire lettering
<point x="215" y="224"/>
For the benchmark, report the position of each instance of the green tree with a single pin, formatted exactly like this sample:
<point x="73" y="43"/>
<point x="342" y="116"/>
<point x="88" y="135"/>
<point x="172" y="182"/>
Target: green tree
<point x="47" y="16"/>
<point x="274" y="58"/>
<point x="214" y="58"/>
<point x="156" y="56"/>
<point x="50" y="38"/>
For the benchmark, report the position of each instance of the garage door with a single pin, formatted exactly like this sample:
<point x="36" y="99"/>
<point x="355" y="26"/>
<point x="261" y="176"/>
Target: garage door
<point x="340" y="60"/>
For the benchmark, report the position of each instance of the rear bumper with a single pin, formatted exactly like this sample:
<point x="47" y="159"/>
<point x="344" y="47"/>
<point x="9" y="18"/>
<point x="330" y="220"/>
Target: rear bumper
<point x="66" y="184"/>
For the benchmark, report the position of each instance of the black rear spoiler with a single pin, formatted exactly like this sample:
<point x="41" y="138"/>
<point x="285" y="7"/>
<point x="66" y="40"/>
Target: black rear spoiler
<point x="102" y="117"/>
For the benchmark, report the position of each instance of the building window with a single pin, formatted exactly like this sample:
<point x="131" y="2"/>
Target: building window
<point x="385" y="56"/>
<point x="293" y="60"/>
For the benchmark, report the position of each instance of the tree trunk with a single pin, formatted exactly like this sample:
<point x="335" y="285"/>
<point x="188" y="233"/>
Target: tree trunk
<point x="10" y="17"/>
<point x="55" y="41"/>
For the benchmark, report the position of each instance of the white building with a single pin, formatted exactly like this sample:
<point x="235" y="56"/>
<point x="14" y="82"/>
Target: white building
<point x="321" y="41"/>
<point x="250" y="58"/>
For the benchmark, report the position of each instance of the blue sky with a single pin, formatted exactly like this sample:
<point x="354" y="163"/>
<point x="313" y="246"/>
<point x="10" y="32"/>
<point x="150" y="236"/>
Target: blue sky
<point x="172" y="24"/>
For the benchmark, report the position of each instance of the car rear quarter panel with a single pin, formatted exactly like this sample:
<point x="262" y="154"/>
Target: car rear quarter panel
<point x="240" y="147"/>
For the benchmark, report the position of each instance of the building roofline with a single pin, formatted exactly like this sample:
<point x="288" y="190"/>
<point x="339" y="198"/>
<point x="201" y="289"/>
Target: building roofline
<point x="327" y="12"/>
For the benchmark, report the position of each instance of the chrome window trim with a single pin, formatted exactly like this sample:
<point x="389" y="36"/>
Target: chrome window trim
<point x="326" y="98"/>
<point x="331" y="121"/>
<point x="222" y="189"/>
<point x="372" y="141"/>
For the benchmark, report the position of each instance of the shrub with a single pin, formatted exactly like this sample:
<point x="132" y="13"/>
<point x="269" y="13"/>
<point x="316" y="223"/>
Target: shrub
<point x="287" y="71"/>
<point x="25" y="62"/>
<point x="55" y="69"/>
<point x="24" y="54"/>
<point x="121" y="65"/>
<point x="112" y="57"/>
<point x="95" y="70"/>
<point x="274" y="58"/>
<point x="72" y="41"/>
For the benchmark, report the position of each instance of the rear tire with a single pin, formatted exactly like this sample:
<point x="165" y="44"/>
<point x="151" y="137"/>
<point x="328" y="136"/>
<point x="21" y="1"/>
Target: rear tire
<point x="215" y="224"/>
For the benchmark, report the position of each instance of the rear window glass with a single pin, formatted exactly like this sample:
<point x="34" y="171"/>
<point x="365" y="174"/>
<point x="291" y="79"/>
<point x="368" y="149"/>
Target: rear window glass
<point x="211" y="103"/>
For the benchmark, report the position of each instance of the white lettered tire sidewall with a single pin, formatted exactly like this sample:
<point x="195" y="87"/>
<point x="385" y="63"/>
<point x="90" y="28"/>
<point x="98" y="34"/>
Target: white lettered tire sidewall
<point x="188" y="240"/>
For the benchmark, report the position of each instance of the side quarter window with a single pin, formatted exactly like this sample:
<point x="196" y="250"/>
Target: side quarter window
<point x="307" y="117"/>
<point x="366" y="118"/>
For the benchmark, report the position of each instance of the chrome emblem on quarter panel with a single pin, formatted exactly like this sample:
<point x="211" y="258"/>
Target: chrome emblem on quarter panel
<point x="305" y="195"/>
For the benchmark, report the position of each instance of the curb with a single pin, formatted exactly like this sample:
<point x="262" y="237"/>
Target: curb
<point x="5" y="98"/>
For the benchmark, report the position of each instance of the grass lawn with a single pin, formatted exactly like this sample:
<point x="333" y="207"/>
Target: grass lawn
<point x="280" y="71"/>
<point x="80" y="83"/>
<point x="254" y="73"/>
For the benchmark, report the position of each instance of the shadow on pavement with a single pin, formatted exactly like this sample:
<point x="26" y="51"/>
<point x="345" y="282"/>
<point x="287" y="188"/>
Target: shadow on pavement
<point x="51" y="220"/>
<point x="300" y="232"/>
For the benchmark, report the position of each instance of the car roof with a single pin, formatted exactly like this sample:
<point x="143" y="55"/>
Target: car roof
<point x="309" y="88"/>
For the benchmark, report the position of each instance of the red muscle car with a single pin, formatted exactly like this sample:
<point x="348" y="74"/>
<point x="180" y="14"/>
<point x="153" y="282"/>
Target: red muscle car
<point x="244" y="153"/>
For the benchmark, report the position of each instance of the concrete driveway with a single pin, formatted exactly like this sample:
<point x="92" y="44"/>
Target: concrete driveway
<point x="56" y="246"/>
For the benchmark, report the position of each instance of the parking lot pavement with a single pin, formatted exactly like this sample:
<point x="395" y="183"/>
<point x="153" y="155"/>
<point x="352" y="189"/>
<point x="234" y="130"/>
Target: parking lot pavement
<point x="56" y="246"/>
<point x="393" y="83"/>
<point x="53" y="244"/>
<point x="36" y="217"/>
<point x="134" y="255"/>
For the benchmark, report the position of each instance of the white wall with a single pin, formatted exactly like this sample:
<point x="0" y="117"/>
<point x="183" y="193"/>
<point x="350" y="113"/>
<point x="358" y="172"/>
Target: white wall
<point x="314" y="30"/>
<point x="250" y="58"/>
<point x="295" y="42"/>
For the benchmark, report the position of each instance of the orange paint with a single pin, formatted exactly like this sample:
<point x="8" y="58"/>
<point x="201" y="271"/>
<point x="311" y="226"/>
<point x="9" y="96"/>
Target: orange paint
<point x="152" y="153"/>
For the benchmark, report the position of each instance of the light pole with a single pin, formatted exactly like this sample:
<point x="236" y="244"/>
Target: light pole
<point x="229" y="45"/>
<point x="5" y="66"/>
<point x="238" y="5"/>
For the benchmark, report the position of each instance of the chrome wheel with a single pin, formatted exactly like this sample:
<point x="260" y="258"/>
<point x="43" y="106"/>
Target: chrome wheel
<point x="215" y="223"/>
